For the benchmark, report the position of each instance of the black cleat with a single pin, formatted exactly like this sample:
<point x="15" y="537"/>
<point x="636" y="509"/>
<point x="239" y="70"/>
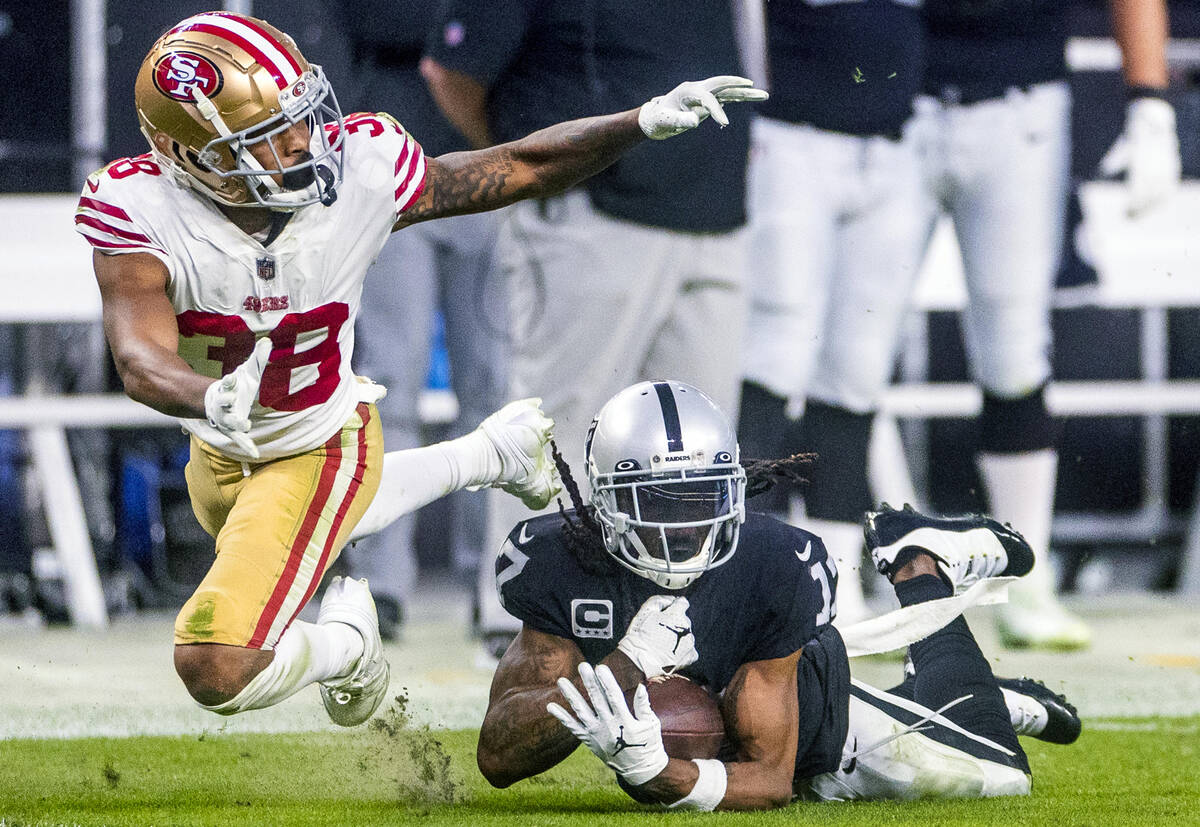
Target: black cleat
<point x="968" y="548"/>
<point x="1059" y="725"/>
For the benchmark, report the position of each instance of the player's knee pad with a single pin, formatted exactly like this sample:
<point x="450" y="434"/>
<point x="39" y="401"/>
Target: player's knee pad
<point x="1016" y="425"/>
<point x="838" y="488"/>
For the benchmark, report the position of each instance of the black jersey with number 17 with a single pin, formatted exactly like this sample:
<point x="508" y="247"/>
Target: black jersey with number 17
<point x="765" y="602"/>
<point x="773" y="597"/>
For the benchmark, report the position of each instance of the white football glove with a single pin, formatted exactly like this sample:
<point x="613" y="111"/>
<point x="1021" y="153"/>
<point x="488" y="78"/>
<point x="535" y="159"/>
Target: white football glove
<point x="520" y="434"/>
<point x="1147" y="151"/>
<point x="628" y="742"/>
<point x="685" y="106"/>
<point x="369" y="391"/>
<point x="228" y="400"/>
<point x="659" y="639"/>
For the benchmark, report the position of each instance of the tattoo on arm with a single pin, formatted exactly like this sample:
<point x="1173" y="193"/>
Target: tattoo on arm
<point x="537" y="166"/>
<point x="519" y="738"/>
<point x="464" y="182"/>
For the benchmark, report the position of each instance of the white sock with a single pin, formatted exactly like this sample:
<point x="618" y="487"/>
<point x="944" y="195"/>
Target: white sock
<point x="1028" y="716"/>
<point x="307" y="652"/>
<point x="1020" y="489"/>
<point x="418" y="476"/>
<point x="844" y="543"/>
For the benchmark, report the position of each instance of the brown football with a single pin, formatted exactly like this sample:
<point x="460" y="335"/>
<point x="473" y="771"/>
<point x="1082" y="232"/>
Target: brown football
<point x="691" y="720"/>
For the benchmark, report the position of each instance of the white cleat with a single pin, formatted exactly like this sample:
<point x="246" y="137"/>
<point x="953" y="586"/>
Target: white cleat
<point x="1042" y="624"/>
<point x="967" y="548"/>
<point x="353" y="699"/>
<point x="521" y="433"/>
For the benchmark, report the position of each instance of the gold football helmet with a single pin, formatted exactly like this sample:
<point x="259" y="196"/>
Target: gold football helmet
<point x="218" y="83"/>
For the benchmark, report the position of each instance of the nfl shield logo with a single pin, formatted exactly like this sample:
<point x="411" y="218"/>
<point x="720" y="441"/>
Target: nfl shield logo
<point x="266" y="268"/>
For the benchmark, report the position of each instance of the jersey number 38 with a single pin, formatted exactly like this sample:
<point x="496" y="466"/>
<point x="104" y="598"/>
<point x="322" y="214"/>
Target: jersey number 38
<point x="305" y="361"/>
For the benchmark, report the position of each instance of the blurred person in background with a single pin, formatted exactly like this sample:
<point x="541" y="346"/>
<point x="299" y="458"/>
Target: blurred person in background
<point x="437" y="266"/>
<point x="230" y="261"/>
<point x="990" y="142"/>
<point x="639" y="272"/>
<point x="833" y="200"/>
<point x="993" y="127"/>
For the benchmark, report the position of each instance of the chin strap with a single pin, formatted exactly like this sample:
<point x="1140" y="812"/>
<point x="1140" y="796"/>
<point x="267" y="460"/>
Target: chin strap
<point x="242" y="158"/>
<point x="208" y="111"/>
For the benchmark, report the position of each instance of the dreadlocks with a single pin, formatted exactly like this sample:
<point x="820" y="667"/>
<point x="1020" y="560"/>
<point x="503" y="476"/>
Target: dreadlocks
<point x="764" y="474"/>
<point x="583" y="535"/>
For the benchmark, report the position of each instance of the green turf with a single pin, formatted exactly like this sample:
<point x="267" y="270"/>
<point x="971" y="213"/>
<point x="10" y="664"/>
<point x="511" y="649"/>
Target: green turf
<point x="1143" y="772"/>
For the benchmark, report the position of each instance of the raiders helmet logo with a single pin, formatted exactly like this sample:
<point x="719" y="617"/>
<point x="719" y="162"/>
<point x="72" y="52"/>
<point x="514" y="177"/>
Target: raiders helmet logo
<point x="178" y="73"/>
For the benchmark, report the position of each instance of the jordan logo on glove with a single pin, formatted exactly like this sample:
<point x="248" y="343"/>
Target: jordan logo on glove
<point x="680" y="633"/>
<point x="621" y="743"/>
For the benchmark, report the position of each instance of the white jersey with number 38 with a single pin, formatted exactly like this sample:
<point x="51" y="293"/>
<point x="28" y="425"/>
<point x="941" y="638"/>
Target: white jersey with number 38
<point x="303" y="290"/>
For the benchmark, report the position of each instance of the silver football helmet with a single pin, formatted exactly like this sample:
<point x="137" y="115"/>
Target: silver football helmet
<point x="666" y="481"/>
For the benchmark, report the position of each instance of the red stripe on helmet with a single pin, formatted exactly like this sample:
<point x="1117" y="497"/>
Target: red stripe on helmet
<point x="259" y="56"/>
<point x="249" y="23"/>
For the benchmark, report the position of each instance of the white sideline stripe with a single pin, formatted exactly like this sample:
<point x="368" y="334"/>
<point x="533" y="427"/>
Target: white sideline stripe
<point x="952" y="399"/>
<point x="1143" y="726"/>
<point x="1080" y="398"/>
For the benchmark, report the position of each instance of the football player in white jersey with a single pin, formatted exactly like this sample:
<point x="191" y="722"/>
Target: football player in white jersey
<point x="230" y="260"/>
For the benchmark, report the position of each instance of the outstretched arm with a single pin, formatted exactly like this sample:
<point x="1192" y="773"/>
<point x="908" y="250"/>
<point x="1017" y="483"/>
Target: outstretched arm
<point x="539" y="165"/>
<point x="552" y="159"/>
<point x="519" y="738"/>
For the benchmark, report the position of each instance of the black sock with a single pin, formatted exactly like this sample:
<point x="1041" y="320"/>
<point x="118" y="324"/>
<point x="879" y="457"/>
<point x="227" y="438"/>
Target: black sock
<point x="949" y="665"/>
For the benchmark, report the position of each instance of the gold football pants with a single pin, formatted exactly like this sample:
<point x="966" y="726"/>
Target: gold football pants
<point x="278" y="528"/>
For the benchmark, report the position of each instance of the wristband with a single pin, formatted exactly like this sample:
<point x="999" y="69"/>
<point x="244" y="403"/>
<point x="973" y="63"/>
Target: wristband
<point x="1138" y="92"/>
<point x="709" y="788"/>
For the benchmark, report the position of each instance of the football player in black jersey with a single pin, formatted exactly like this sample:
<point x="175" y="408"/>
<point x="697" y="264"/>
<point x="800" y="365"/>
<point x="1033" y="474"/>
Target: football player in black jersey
<point x="644" y="581"/>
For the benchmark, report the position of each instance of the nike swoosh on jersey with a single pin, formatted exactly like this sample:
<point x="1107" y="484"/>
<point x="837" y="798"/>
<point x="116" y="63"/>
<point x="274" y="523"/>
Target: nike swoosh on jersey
<point x="804" y="555"/>
<point x="524" y="537"/>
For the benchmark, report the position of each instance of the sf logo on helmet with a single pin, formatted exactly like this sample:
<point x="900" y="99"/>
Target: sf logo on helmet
<point x="178" y="73"/>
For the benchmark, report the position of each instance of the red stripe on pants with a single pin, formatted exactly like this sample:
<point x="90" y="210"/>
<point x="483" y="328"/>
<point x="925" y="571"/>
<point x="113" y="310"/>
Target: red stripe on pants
<point x="351" y="490"/>
<point x="333" y="459"/>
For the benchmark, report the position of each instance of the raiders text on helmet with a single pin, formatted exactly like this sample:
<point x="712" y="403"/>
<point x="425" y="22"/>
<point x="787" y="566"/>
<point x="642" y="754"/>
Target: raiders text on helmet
<point x="666" y="481"/>
<point x="218" y="83"/>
